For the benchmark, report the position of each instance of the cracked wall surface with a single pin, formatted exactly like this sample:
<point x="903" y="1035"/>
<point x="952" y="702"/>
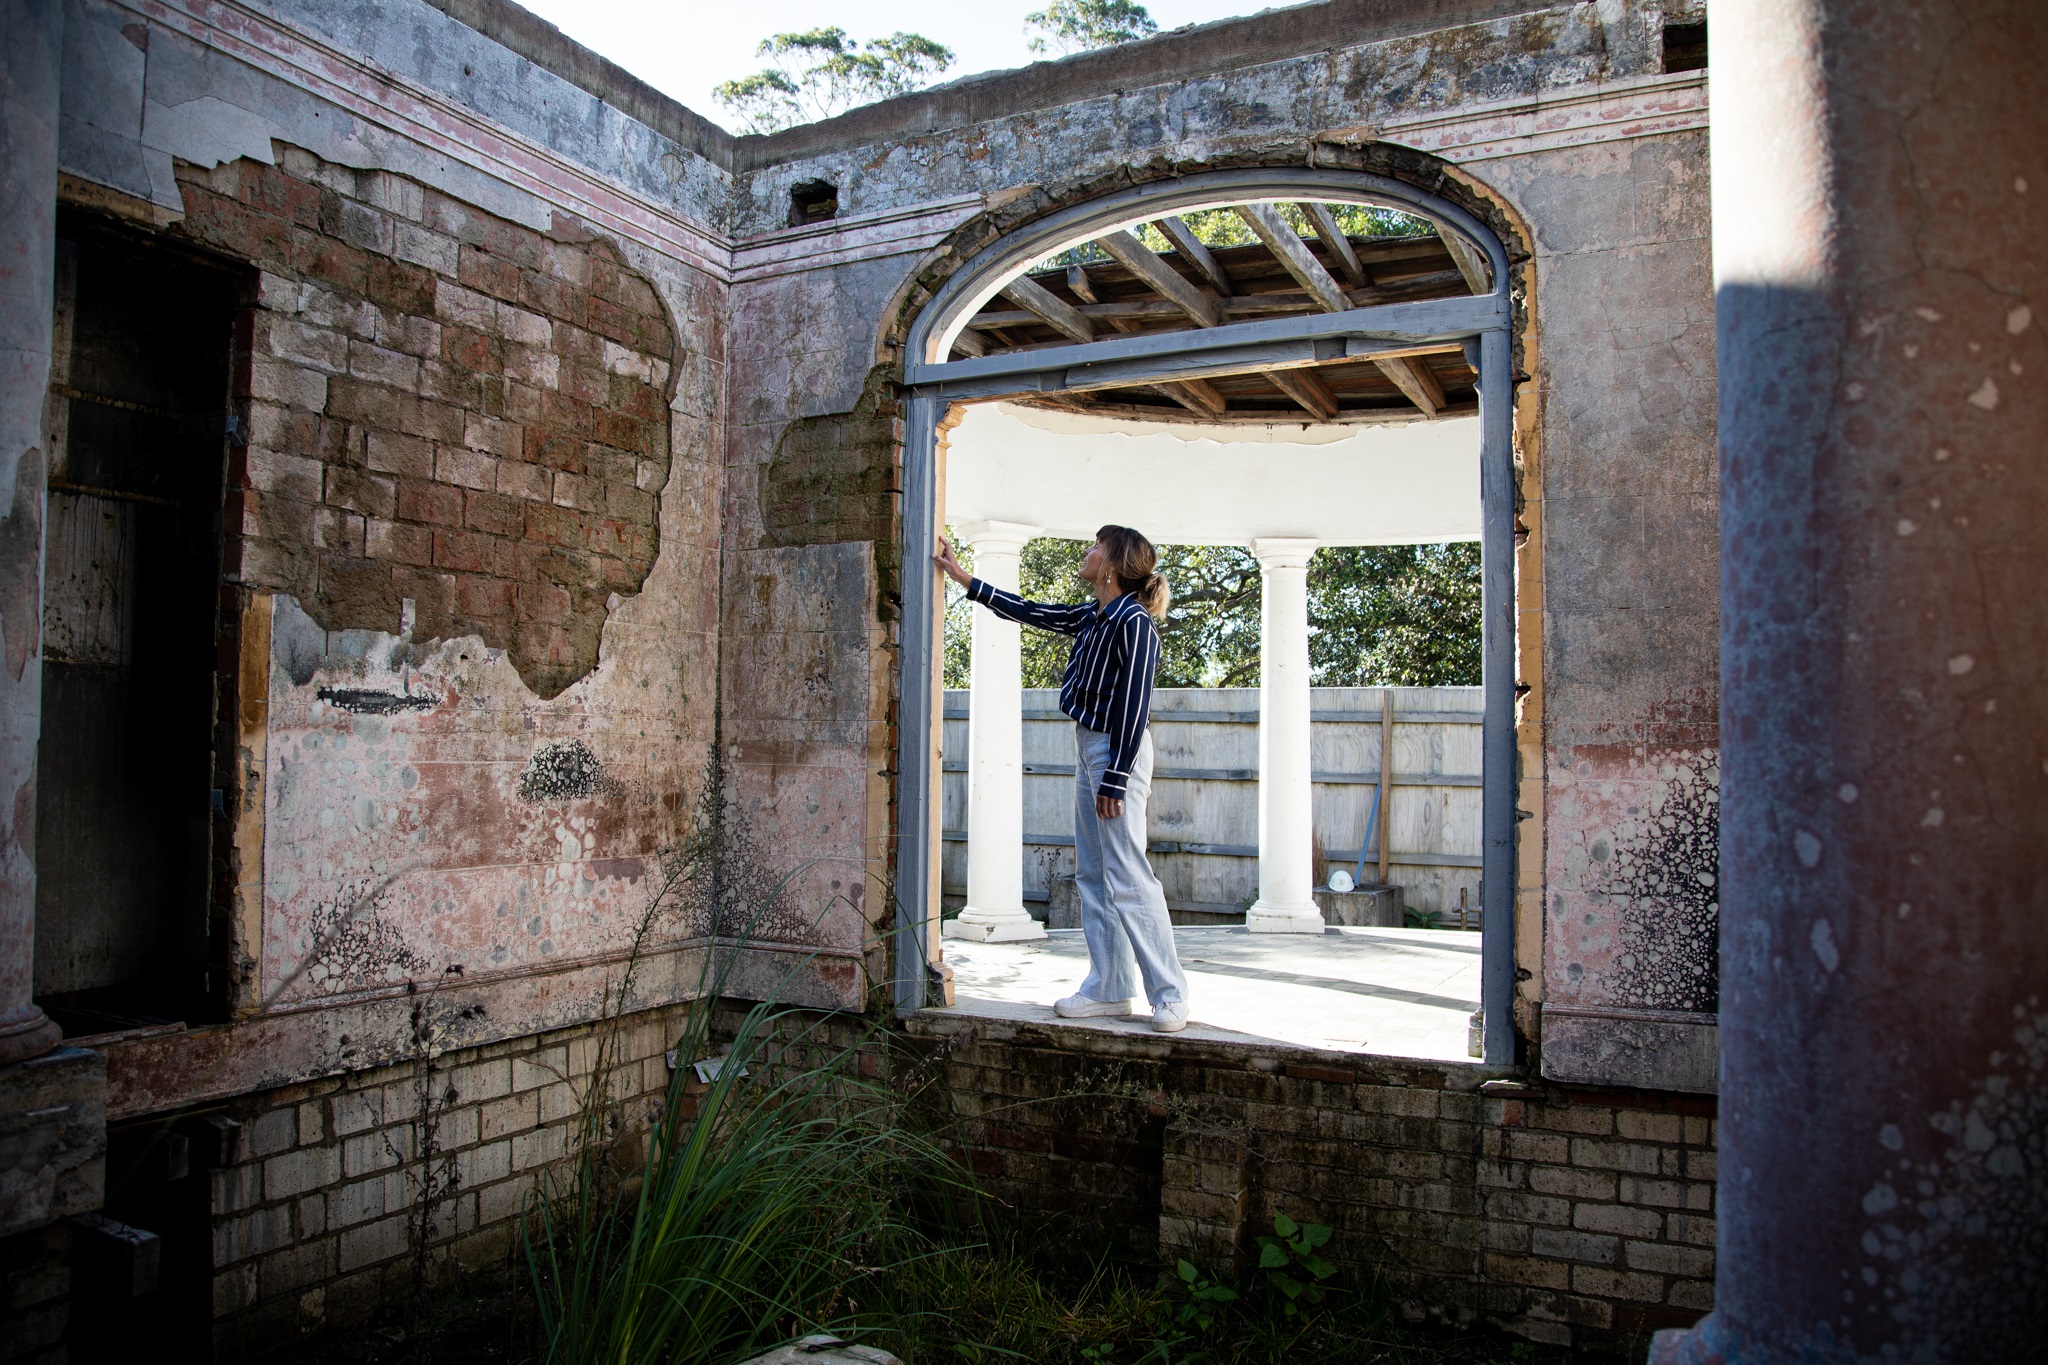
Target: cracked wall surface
<point x="570" y="480"/>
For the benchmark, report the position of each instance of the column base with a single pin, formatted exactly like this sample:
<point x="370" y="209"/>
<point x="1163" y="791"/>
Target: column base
<point x="1284" y="919"/>
<point x="1687" y="1346"/>
<point x="26" y="1032"/>
<point x="992" y="926"/>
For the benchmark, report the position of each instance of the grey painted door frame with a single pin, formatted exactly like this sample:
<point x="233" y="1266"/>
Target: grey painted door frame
<point x="931" y="383"/>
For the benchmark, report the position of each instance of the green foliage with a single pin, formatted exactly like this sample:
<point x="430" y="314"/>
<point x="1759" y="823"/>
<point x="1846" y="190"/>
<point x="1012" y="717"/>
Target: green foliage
<point x="1422" y="919"/>
<point x="1080" y="25"/>
<point x="760" y="1197"/>
<point x="822" y="72"/>
<point x="1293" y="1271"/>
<point x="959" y="618"/>
<point x="1205" y="1298"/>
<point x="1225" y="227"/>
<point x="1395" y="615"/>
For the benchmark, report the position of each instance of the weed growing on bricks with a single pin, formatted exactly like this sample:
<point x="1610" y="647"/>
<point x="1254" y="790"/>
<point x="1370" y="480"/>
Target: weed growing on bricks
<point x="777" y="1172"/>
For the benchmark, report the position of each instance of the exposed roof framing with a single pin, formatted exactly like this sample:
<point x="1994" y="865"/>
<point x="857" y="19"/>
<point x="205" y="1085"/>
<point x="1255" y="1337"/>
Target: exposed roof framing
<point x="1139" y="290"/>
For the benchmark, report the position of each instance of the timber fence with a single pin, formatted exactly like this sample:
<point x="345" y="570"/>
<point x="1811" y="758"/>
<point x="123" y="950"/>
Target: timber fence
<point x="1203" y="822"/>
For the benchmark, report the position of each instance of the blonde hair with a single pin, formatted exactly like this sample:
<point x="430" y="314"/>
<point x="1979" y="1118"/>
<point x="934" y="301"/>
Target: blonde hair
<point x="1136" y="563"/>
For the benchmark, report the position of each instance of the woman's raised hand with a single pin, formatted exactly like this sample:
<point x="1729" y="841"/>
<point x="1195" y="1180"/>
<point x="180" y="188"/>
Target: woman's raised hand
<point x="943" y="557"/>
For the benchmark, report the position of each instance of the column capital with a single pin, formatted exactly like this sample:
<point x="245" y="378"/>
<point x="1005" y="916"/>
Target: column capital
<point x="998" y="536"/>
<point x="1283" y="552"/>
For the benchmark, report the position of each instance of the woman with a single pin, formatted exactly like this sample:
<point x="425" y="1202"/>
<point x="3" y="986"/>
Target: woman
<point x="1107" y="689"/>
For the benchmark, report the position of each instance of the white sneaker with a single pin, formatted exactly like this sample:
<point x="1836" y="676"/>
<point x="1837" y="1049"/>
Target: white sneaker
<point x="1171" y="1017"/>
<point x="1081" y="1007"/>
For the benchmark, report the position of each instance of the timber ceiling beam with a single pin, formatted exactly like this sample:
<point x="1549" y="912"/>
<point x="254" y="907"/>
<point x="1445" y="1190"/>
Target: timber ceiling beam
<point x="1307" y="388"/>
<point x="1415" y="380"/>
<point x="1190" y="247"/>
<point x="1340" y="246"/>
<point x="1469" y="262"/>
<point x="1198" y="396"/>
<point x="1292" y="253"/>
<point x="1055" y="311"/>
<point x="1134" y="256"/>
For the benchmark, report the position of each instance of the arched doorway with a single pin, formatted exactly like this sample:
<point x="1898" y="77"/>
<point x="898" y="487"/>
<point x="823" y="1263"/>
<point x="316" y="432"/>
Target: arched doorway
<point x="1192" y="332"/>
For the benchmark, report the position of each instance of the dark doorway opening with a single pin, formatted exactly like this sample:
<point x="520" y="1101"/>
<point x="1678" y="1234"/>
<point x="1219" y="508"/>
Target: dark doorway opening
<point x="138" y="424"/>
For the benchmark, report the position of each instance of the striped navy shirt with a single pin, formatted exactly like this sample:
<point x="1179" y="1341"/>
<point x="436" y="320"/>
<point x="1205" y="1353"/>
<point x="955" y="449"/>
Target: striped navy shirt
<point x="1108" y="683"/>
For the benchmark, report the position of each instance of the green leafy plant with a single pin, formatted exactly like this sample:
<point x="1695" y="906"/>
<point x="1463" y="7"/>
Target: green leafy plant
<point x="1205" y="1299"/>
<point x="1422" y="919"/>
<point x="765" y="1185"/>
<point x="823" y="72"/>
<point x="1290" y="1265"/>
<point x="1082" y="25"/>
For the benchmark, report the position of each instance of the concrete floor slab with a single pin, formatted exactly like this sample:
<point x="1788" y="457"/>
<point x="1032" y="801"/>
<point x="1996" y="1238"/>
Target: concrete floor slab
<point x="1390" y="992"/>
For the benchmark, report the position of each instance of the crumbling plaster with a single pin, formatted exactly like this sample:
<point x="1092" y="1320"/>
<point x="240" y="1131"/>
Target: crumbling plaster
<point x="1556" y="111"/>
<point x="1615" y="438"/>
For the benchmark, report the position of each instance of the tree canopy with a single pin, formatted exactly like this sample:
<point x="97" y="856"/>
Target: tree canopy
<point x="1071" y="26"/>
<point x="821" y="73"/>
<point x="1394" y="615"/>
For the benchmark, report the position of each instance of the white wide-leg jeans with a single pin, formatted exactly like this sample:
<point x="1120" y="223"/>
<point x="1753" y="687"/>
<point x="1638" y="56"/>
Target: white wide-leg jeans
<point x="1123" y="907"/>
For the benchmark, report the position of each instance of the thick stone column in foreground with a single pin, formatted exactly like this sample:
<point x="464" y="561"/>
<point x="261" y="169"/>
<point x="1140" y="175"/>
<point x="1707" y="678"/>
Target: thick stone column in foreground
<point x="1287" y="873"/>
<point x="31" y="47"/>
<point x="1881" y="251"/>
<point x="995" y="751"/>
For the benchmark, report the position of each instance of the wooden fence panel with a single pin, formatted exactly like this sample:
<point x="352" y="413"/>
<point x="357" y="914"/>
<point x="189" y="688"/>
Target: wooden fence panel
<point x="1203" y="820"/>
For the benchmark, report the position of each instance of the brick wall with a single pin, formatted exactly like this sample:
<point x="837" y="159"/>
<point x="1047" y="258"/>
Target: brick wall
<point x="313" y="1221"/>
<point x="1563" y="1214"/>
<point x="35" y="1289"/>
<point x="442" y="406"/>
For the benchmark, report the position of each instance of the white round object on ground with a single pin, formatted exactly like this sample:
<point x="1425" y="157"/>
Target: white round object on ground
<point x="1340" y="881"/>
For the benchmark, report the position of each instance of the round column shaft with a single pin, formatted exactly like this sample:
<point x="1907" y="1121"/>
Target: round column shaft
<point x="1880" y="253"/>
<point x="1286" y="903"/>
<point x="995" y="751"/>
<point x="31" y="56"/>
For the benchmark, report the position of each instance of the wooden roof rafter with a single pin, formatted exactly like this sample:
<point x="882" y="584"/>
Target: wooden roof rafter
<point x="1129" y="288"/>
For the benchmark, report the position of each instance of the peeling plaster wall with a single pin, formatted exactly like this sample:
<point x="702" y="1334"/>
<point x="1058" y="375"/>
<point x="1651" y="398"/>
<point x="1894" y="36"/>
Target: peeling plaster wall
<point x="472" y="712"/>
<point x="431" y="793"/>
<point x="1230" y="112"/>
<point x="1624" y="470"/>
<point x="1615" y="425"/>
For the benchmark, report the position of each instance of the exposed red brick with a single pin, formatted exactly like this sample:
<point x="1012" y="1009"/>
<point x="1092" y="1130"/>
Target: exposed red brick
<point x="353" y="507"/>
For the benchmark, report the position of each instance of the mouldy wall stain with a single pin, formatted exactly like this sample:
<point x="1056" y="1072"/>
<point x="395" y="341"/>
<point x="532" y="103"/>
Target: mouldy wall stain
<point x="444" y="407"/>
<point x="1231" y="112"/>
<point x="419" y="819"/>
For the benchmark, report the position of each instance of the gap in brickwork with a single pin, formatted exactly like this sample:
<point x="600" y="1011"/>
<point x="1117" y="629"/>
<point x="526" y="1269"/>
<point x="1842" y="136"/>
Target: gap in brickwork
<point x="137" y="415"/>
<point x="445" y="407"/>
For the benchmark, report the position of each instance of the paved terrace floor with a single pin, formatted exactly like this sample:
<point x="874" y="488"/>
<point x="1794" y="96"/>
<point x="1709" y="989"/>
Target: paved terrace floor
<point x="1393" y="992"/>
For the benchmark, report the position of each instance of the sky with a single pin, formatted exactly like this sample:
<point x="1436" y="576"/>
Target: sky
<point x="684" y="47"/>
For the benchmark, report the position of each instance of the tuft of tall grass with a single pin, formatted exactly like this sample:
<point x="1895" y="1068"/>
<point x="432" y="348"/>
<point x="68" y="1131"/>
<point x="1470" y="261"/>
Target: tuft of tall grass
<point x="761" y="1197"/>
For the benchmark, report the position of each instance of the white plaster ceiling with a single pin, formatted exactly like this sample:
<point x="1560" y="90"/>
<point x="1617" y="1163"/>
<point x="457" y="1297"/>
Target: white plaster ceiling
<point x="1195" y="484"/>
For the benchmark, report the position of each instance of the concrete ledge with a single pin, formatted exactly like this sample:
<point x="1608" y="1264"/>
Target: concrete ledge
<point x="1634" y="1048"/>
<point x="53" y="1138"/>
<point x="1200" y="51"/>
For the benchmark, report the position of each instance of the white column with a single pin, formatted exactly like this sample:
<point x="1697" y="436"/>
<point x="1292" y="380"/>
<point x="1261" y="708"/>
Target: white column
<point x="1286" y="903"/>
<point x="995" y="751"/>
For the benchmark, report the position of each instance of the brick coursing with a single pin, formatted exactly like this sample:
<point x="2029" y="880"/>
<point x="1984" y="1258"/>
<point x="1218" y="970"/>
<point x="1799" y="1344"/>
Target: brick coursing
<point x="442" y="406"/>
<point x="313" y="1221"/>
<point x="1562" y="1214"/>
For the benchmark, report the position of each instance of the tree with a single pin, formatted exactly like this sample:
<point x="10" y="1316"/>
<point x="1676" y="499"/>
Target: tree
<point x="1395" y="615"/>
<point x="1080" y="25"/>
<point x="822" y="73"/>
